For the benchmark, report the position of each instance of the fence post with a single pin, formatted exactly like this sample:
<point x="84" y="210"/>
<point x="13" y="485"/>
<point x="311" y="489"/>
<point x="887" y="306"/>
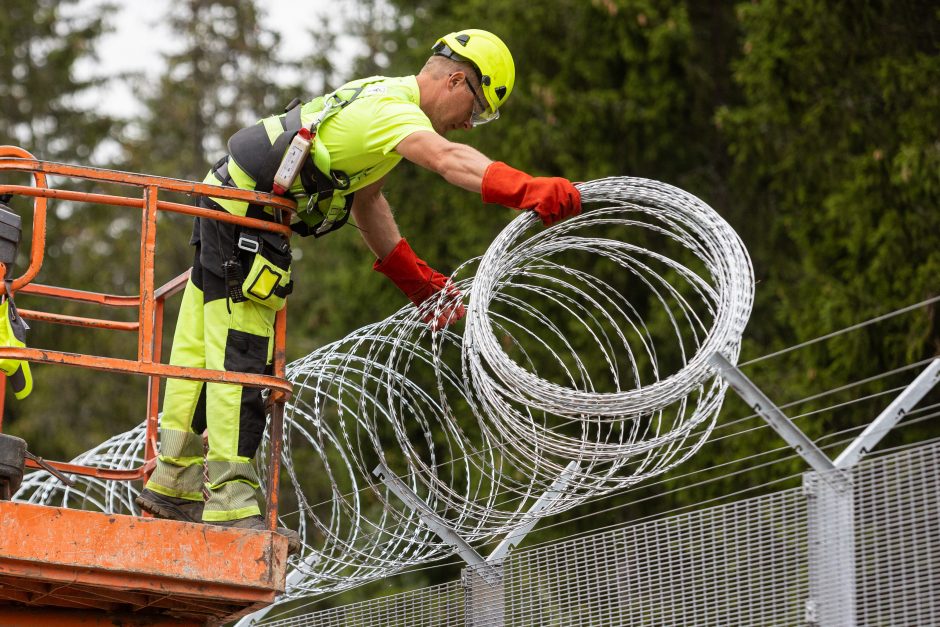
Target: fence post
<point x="831" y="552"/>
<point x="830" y="510"/>
<point x="831" y="515"/>
<point x="778" y="421"/>
<point x="484" y="602"/>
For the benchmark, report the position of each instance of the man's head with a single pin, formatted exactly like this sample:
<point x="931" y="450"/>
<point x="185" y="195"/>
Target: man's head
<point x="468" y="77"/>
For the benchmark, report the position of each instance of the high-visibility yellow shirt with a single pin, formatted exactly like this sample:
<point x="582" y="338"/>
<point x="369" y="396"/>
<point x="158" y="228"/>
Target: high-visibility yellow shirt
<point x="361" y="137"/>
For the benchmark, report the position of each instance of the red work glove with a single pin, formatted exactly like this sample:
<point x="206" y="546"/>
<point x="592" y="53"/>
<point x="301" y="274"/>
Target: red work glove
<point x="553" y="198"/>
<point x="421" y="285"/>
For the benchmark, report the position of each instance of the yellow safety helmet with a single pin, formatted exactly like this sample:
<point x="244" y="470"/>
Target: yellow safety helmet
<point x="490" y="57"/>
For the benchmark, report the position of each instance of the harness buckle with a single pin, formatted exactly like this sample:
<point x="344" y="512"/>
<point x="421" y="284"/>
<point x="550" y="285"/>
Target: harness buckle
<point x="325" y="226"/>
<point x="249" y="243"/>
<point x="311" y="203"/>
<point x="340" y="179"/>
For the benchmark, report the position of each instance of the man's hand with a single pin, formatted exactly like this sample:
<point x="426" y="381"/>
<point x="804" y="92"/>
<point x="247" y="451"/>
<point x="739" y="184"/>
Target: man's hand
<point x="422" y="286"/>
<point x="443" y="307"/>
<point x="552" y="198"/>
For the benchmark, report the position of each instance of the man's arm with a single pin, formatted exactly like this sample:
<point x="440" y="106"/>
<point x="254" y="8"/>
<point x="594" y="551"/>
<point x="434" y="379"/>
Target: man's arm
<point x="373" y="216"/>
<point x="552" y="198"/>
<point x="399" y="263"/>
<point x="459" y="164"/>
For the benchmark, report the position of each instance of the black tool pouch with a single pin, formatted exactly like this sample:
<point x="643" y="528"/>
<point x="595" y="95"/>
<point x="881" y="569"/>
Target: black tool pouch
<point x="267" y="267"/>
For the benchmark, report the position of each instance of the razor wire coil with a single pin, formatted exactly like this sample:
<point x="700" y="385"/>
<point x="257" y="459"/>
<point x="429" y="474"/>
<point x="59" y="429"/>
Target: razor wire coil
<point x="583" y="342"/>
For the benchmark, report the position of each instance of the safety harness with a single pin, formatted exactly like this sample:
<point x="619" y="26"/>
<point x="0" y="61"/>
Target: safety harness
<point x="325" y="211"/>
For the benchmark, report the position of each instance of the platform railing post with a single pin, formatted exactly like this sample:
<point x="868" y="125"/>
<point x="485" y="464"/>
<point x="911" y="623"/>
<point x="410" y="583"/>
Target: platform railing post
<point x="153" y="388"/>
<point x="274" y="464"/>
<point x="277" y="421"/>
<point x="148" y="248"/>
<point x="3" y="399"/>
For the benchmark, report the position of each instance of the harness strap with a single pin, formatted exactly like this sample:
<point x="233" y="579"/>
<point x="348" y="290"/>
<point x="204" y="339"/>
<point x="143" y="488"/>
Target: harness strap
<point x="321" y="228"/>
<point x="319" y="184"/>
<point x="292" y="119"/>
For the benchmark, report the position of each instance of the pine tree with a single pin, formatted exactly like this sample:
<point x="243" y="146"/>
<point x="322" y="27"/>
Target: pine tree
<point x="835" y="157"/>
<point x="224" y="77"/>
<point x="47" y="110"/>
<point x="44" y="108"/>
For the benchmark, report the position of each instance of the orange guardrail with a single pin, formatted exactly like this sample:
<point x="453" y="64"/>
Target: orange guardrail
<point x="149" y="302"/>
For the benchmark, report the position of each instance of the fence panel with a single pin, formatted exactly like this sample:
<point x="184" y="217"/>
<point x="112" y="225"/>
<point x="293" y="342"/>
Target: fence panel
<point x="737" y="564"/>
<point x="745" y="563"/>
<point x="897" y="539"/>
<point x="435" y="606"/>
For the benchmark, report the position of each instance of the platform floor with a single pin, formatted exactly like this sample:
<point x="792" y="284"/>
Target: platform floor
<point x="71" y="567"/>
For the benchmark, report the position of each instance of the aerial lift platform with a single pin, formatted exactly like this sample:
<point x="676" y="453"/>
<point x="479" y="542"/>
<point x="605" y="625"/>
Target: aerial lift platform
<point x="62" y="566"/>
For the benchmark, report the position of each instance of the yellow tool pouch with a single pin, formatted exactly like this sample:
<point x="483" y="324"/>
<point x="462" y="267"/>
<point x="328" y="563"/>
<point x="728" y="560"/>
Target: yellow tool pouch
<point x="13" y="333"/>
<point x="267" y="280"/>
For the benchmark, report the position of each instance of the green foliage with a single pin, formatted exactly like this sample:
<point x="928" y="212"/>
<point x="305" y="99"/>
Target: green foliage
<point x="837" y="164"/>
<point x="42" y="43"/>
<point x="219" y="81"/>
<point x="47" y="110"/>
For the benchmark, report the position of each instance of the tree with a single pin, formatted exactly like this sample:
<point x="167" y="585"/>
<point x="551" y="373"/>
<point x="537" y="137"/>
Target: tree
<point x="49" y="111"/>
<point x="810" y="127"/>
<point x="44" y="107"/>
<point x="224" y="77"/>
<point x="837" y="163"/>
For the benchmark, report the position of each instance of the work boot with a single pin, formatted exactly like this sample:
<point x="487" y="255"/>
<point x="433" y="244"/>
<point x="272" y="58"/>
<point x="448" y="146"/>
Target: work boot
<point x="257" y="523"/>
<point x="170" y="507"/>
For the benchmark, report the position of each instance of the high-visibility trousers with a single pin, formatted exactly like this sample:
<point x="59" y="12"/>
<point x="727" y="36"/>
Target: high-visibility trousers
<point x="214" y="332"/>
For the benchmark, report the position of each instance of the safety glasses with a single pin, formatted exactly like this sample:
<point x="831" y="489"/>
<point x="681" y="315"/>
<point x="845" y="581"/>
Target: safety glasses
<point x="481" y="114"/>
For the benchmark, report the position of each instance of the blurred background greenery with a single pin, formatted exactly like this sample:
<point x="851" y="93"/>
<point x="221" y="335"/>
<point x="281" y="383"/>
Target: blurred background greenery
<point x="811" y="127"/>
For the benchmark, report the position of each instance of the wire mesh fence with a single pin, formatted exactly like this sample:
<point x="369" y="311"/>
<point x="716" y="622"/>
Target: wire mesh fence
<point x="802" y="556"/>
<point x="434" y="606"/>
<point x="897" y="539"/>
<point x="688" y="569"/>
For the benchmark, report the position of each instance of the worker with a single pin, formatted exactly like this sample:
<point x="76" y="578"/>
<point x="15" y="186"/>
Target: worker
<point x="360" y="132"/>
